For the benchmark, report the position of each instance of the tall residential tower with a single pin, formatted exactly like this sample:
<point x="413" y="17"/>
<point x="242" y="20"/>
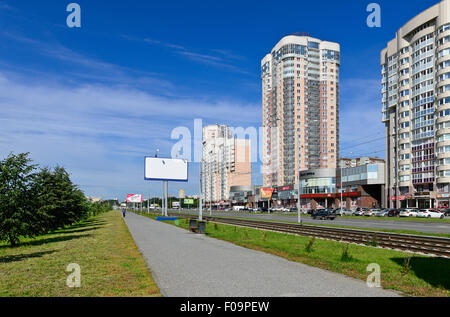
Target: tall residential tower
<point x="416" y="110"/>
<point x="300" y="86"/>
<point x="226" y="163"/>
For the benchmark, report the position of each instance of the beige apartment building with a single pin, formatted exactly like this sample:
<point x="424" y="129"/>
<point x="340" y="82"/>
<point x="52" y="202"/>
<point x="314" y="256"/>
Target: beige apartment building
<point x="416" y="110"/>
<point x="300" y="103"/>
<point x="226" y="163"/>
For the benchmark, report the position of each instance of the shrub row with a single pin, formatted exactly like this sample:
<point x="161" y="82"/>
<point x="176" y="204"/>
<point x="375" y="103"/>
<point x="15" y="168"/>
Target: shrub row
<point x="35" y="200"/>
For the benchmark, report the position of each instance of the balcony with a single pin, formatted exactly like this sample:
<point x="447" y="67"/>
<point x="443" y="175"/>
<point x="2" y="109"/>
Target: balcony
<point x="423" y="180"/>
<point x="423" y="158"/>
<point x="423" y="169"/>
<point x="422" y="147"/>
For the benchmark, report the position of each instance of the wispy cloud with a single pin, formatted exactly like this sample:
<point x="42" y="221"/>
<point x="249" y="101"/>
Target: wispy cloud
<point x="88" y="68"/>
<point x="4" y="6"/>
<point x="224" y="59"/>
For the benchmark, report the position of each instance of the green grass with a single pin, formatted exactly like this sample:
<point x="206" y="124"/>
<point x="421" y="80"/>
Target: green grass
<point x="422" y="276"/>
<point x="110" y="262"/>
<point x="443" y="235"/>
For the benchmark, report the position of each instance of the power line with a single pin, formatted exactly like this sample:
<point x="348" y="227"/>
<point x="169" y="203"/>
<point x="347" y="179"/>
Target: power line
<point x="362" y="138"/>
<point x="367" y="142"/>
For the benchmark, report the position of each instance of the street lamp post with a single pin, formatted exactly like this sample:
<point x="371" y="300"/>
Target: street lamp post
<point x="200" y="190"/>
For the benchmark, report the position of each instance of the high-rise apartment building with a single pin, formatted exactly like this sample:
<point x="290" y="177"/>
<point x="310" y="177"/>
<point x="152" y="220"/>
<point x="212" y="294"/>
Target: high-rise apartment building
<point x="416" y="110"/>
<point x="300" y="102"/>
<point x="226" y="163"/>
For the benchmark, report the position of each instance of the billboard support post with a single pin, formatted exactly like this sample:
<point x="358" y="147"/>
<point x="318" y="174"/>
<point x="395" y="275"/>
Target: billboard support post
<point x="167" y="194"/>
<point x="162" y="200"/>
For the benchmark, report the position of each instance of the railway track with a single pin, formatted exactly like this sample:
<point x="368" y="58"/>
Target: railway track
<point x="419" y="244"/>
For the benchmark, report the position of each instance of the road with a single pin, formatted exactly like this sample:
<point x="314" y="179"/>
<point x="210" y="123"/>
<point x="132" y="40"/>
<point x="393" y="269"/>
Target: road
<point x="364" y="222"/>
<point x="189" y="265"/>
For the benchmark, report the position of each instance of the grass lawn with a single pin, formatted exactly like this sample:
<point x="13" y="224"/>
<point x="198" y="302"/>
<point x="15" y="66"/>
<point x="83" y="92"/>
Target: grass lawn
<point x="110" y="262"/>
<point x="423" y="276"/>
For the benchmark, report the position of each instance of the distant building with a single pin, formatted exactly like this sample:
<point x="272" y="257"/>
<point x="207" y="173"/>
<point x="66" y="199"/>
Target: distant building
<point x="181" y="194"/>
<point x="94" y="199"/>
<point x="361" y="185"/>
<point x="348" y="162"/>
<point x="226" y="163"/>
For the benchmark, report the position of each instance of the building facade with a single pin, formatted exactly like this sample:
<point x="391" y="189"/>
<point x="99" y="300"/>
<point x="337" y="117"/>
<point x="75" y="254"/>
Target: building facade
<point x="226" y="163"/>
<point x="416" y="110"/>
<point x="300" y="87"/>
<point x="362" y="186"/>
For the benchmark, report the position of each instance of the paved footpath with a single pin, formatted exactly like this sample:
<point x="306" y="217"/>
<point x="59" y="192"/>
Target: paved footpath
<point x="190" y="265"/>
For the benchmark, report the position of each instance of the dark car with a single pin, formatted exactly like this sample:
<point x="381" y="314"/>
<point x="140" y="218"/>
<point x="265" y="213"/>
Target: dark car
<point x="324" y="214"/>
<point x="393" y="212"/>
<point x="445" y="211"/>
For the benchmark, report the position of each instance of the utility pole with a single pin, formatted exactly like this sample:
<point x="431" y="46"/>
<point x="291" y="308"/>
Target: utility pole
<point x="200" y="190"/>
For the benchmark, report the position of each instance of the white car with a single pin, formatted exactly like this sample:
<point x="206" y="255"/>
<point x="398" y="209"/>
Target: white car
<point x="430" y="213"/>
<point x="371" y="212"/>
<point x="409" y="212"/>
<point x="346" y="212"/>
<point x="383" y="213"/>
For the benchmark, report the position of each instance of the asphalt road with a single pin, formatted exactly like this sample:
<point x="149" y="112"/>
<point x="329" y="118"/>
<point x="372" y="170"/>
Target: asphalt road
<point x="186" y="264"/>
<point x="364" y="222"/>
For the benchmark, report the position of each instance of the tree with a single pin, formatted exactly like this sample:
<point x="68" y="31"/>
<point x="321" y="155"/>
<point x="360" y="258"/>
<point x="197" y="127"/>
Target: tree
<point x="57" y="199"/>
<point x="16" y="214"/>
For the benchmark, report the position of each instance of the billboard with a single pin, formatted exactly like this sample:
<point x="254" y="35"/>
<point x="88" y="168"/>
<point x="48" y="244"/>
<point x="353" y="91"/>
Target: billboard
<point x="134" y="198"/>
<point x="164" y="169"/>
<point x="266" y="193"/>
<point x="188" y="201"/>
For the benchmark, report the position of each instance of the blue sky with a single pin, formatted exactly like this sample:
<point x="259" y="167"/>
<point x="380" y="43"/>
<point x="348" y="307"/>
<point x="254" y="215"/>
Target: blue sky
<point x="97" y="99"/>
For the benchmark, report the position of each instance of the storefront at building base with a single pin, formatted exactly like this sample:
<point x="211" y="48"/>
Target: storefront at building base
<point x="443" y="200"/>
<point x="420" y="200"/>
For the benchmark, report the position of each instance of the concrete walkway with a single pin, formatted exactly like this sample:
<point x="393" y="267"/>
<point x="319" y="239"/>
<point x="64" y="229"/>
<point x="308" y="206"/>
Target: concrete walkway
<point x="189" y="265"/>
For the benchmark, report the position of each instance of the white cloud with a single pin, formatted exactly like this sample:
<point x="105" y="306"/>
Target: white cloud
<point x="101" y="133"/>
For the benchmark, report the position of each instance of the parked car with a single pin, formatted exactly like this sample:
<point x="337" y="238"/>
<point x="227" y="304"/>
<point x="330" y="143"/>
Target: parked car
<point x="371" y="212"/>
<point x="382" y="213"/>
<point x="430" y="213"/>
<point x="324" y="214"/>
<point x="393" y="212"/>
<point x="445" y="211"/>
<point x="338" y="211"/>
<point x="310" y="211"/>
<point x="359" y="212"/>
<point x="347" y="212"/>
<point x="408" y="212"/>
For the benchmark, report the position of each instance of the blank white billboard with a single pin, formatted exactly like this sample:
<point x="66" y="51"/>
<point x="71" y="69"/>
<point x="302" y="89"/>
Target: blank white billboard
<point x="163" y="169"/>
